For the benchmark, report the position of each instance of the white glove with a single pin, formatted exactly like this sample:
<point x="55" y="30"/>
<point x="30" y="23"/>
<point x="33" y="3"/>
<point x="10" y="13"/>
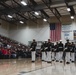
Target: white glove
<point x="65" y="48"/>
<point x="55" y="49"/>
<point x="46" y="48"/>
<point x="30" y="49"/>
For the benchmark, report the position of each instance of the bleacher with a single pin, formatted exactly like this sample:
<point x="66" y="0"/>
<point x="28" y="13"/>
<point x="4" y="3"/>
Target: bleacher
<point x="12" y="49"/>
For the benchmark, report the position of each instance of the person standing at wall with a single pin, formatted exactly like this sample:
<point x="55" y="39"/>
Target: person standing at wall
<point x="0" y="52"/>
<point x="60" y="48"/>
<point x="33" y="50"/>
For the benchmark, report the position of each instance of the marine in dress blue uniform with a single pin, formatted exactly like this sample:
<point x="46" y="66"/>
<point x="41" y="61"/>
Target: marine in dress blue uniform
<point x="60" y="48"/>
<point x="49" y="48"/>
<point x="33" y="50"/>
<point x="67" y="50"/>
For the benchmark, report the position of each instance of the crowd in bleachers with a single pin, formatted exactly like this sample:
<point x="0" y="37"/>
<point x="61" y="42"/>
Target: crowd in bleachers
<point x="12" y="49"/>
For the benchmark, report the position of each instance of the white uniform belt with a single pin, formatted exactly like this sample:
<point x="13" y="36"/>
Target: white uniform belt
<point x="60" y="47"/>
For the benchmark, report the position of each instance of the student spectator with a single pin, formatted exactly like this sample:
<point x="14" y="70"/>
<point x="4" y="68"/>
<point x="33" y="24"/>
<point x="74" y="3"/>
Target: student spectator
<point x="5" y="52"/>
<point x="0" y="44"/>
<point x="18" y="53"/>
<point x="7" y="45"/>
<point x="13" y="53"/>
<point x="0" y="53"/>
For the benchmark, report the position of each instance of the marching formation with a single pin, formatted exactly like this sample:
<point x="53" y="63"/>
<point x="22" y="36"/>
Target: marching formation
<point x="57" y="52"/>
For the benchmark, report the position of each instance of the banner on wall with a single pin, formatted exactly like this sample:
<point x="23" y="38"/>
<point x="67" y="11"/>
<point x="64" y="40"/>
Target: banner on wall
<point x="66" y="27"/>
<point x="67" y="35"/>
<point x="67" y="32"/>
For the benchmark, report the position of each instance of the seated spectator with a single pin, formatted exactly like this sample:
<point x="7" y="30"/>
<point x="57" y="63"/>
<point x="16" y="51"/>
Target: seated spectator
<point x="0" y="44"/>
<point x="13" y="53"/>
<point x="5" y="52"/>
<point x="9" y="53"/>
<point x="0" y="53"/>
<point x="5" y="44"/>
<point x="8" y="46"/>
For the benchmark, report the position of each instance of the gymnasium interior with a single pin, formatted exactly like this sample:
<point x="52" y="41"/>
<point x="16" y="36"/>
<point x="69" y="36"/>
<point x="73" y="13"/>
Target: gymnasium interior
<point x="25" y="21"/>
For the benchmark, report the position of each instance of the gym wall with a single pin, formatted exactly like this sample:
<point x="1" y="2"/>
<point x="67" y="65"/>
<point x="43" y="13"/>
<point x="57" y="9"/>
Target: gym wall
<point x="4" y="28"/>
<point x="25" y="33"/>
<point x="40" y="31"/>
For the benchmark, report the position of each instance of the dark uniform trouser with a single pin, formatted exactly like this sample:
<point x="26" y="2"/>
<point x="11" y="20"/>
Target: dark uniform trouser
<point x="33" y="55"/>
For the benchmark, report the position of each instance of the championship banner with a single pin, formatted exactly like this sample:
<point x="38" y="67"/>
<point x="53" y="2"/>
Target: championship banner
<point x="67" y="32"/>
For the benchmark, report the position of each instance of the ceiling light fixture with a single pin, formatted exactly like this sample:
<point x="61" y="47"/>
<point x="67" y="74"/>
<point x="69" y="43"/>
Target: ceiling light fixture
<point x="68" y="9"/>
<point x="45" y="20"/>
<point x="36" y="13"/>
<point x="72" y="17"/>
<point x="10" y="16"/>
<point x="21" y="22"/>
<point x="23" y="3"/>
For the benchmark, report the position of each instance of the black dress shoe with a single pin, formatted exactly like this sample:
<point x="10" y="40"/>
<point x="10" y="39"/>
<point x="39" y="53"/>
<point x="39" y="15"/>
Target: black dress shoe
<point x="42" y="60"/>
<point x="48" y="61"/>
<point x="67" y="62"/>
<point x="60" y="61"/>
<point x="33" y="61"/>
<point x="72" y="61"/>
<point x="52" y="60"/>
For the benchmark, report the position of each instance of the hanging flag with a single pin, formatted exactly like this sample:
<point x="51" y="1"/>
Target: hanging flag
<point x="55" y="32"/>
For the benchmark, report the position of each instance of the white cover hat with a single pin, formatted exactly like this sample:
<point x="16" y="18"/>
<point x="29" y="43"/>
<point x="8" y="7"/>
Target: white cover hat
<point x="60" y="40"/>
